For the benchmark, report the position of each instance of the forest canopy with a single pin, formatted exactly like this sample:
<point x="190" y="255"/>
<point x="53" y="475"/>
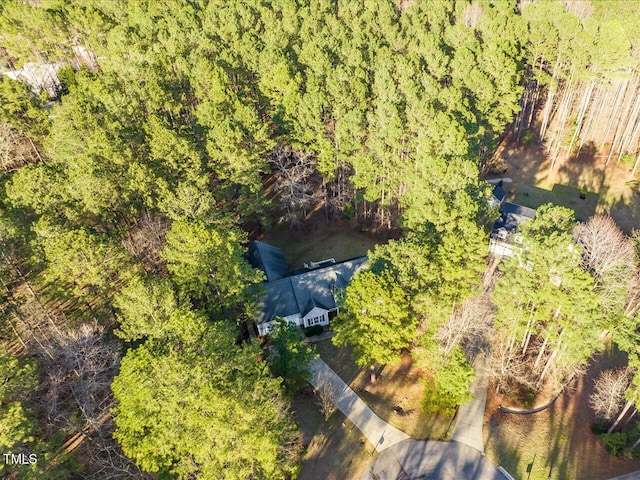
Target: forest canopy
<point x="132" y="175"/>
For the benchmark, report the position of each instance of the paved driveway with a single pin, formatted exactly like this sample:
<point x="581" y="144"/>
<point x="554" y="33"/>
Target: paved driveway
<point x="415" y="459"/>
<point x="402" y="458"/>
<point x="378" y="432"/>
<point x="468" y="429"/>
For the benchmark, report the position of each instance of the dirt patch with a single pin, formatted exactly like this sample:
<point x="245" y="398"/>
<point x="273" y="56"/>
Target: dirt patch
<point x="556" y="443"/>
<point x="333" y="449"/>
<point x="606" y="188"/>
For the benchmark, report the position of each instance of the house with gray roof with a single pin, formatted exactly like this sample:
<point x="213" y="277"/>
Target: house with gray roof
<point x="269" y="259"/>
<point x="498" y="196"/>
<point x="504" y="237"/>
<point x="306" y="297"/>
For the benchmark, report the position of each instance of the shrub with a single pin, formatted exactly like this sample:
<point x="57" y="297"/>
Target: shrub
<point x="450" y="387"/>
<point x="433" y="401"/>
<point x="627" y="160"/>
<point x="349" y="212"/>
<point x="529" y="398"/>
<point x="313" y="330"/>
<point x="614" y="442"/>
<point x="599" y="428"/>
<point x="528" y="137"/>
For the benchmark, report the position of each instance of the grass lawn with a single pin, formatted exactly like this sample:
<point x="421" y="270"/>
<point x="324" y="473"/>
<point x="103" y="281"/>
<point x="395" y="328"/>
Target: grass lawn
<point x="334" y="449"/>
<point x="534" y="184"/>
<point x="398" y="385"/>
<point x="319" y="241"/>
<point x="556" y="443"/>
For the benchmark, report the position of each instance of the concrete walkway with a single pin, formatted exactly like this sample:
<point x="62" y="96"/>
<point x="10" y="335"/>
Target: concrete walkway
<point x="468" y="429"/>
<point x="401" y="457"/>
<point x="379" y="433"/>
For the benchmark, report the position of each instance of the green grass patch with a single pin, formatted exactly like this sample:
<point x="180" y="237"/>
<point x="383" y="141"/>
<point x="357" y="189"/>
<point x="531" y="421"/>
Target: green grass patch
<point x="563" y="195"/>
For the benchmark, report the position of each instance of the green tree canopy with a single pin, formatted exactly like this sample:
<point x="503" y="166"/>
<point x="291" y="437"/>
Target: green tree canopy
<point x="289" y="357"/>
<point x="207" y="262"/>
<point x="545" y="294"/>
<point x="375" y="319"/>
<point x="196" y="404"/>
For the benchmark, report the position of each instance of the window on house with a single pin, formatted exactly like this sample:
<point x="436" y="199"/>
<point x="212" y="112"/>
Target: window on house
<point x="316" y="320"/>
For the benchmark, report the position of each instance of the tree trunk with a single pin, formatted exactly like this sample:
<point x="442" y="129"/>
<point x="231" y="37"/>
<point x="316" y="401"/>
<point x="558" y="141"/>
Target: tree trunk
<point x="631" y="132"/>
<point x="563" y="116"/>
<point x="613" y="112"/>
<point x="550" y="361"/>
<point x="586" y="99"/>
<point x="630" y="417"/>
<point x="622" y="122"/>
<point x="548" y="106"/>
<point x="624" y="411"/>
<point x="594" y="114"/>
<point x="540" y="353"/>
<point x="527" y="333"/>
<point x="635" y="165"/>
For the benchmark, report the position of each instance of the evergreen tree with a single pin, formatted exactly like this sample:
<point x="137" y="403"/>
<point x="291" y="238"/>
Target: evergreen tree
<point x="375" y="319"/>
<point x="194" y="403"/>
<point x="546" y="305"/>
<point x="289" y="357"/>
<point x="207" y="262"/>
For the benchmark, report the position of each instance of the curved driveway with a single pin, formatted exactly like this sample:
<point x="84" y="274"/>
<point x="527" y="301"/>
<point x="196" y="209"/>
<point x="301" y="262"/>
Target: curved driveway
<point x="402" y="458"/>
<point x="415" y="459"/>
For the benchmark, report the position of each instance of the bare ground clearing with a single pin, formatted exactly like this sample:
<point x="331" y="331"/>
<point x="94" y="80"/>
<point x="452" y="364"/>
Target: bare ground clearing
<point x="534" y="183"/>
<point x="334" y="449"/>
<point x="396" y="395"/>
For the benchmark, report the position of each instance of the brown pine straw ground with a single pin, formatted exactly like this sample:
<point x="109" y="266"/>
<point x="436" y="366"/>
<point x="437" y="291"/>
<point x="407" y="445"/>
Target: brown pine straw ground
<point x="609" y="188"/>
<point x="557" y="441"/>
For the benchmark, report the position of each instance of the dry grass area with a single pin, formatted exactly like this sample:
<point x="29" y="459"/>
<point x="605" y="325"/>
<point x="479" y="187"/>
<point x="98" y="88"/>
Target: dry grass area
<point x="398" y="385"/>
<point x="334" y="449"/>
<point x="318" y="241"/>
<point x="556" y="443"/>
<point x="534" y="183"/>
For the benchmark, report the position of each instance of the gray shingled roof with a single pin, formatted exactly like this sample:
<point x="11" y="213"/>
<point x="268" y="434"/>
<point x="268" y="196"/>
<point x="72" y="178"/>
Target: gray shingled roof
<point x="300" y="293"/>
<point x="269" y="259"/>
<point x="519" y="210"/>
<point x="499" y="193"/>
<point x="512" y="216"/>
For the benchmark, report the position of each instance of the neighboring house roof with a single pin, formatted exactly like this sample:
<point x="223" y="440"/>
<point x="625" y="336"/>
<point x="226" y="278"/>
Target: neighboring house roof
<point x="512" y="216"/>
<point x="269" y="259"/>
<point x="499" y="194"/>
<point x="518" y="210"/>
<point x="299" y="294"/>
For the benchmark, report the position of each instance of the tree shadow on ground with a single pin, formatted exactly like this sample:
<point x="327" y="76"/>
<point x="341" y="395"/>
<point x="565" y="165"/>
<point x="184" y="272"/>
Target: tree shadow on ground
<point x="534" y="183"/>
<point x="563" y="195"/>
<point x="556" y="443"/>
<point x="333" y="449"/>
<point x="626" y="211"/>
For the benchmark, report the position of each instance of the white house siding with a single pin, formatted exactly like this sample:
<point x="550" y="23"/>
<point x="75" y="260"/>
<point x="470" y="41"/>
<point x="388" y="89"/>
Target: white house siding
<point x="265" y="328"/>
<point x="317" y="316"/>
<point x="501" y="248"/>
